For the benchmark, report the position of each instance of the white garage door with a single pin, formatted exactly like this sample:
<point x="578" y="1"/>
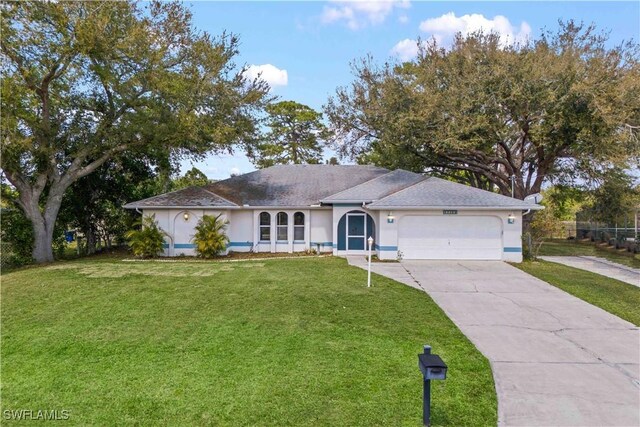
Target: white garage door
<point x="450" y="237"/>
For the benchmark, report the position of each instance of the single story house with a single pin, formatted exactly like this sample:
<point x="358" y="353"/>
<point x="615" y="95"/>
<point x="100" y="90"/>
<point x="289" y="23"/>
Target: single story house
<point x="336" y="208"/>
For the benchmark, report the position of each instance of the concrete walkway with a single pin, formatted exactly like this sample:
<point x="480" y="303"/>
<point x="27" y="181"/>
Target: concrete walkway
<point x="600" y="266"/>
<point x="556" y="360"/>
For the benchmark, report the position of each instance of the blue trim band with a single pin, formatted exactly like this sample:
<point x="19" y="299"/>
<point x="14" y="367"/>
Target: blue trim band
<point x="165" y="245"/>
<point x="240" y="244"/>
<point x="512" y="249"/>
<point x="385" y="248"/>
<point x="184" y="246"/>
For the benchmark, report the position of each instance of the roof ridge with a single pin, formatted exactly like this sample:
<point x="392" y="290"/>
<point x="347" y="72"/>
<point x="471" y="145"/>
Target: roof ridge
<point x="443" y="192"/>
<point x="357" y="185"/>
<point x="424" y="178"/>
<point x="164" y="194"/>
<point x="219" y="196"/>
<point x="369" y="181"/>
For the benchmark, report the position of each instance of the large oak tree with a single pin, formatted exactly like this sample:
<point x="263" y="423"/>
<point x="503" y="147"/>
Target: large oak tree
<point x="83" y="82"/>
<point x="485" y="113"/>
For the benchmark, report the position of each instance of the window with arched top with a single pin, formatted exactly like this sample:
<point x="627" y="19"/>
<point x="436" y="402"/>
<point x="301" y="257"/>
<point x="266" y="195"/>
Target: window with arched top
<point x="298" y="226"/>
<point x="265" y="227"/>
<point x="282" y="225"/>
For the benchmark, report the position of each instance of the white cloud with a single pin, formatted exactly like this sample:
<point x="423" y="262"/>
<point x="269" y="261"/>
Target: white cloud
<point x="269" y="73"/>
<point x="406" y="49"/>
<point x="446" y="26"/>
<point x="403" y="19"/>
<point x="359" y="13"/>
<point x="234" y="171"/>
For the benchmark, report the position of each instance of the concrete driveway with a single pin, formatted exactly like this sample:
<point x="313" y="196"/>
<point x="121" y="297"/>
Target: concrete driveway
<point x="556" y="360"/>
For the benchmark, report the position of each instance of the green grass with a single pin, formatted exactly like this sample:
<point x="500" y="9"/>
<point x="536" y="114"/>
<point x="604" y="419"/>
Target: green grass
<point x="614" y="296"/>
<point x="576" y="248"/>
<point x="278" y="342"/>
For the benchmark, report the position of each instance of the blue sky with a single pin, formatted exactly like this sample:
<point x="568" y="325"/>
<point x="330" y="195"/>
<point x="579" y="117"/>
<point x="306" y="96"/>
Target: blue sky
<point x="304" y="48"/>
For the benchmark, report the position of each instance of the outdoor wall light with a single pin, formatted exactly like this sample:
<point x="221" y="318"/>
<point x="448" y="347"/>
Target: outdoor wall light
<point x="186" y="216"/>
<point x="511" y="219"/>
<point x="390" y="217"/>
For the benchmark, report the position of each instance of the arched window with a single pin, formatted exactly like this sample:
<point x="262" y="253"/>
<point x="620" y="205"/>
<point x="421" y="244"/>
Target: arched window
<point x="282" y="223"/>
<point x="265" y="227"/>
<point x="298" y="226"/>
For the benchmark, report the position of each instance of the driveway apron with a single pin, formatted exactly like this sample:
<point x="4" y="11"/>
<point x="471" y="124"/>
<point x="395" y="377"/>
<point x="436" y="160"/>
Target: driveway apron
<point x="556" y="360"/>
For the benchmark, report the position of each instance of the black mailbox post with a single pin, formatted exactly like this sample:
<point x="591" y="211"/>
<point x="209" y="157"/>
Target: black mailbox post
<point x="432" y="368"/>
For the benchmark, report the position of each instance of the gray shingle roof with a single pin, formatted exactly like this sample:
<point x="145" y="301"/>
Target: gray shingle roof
<point x="293" y="185"/>
<point x="439" y="193"/>
<point x="305" y="185"/>
<point x="190" y="196"/>
<point x="376" y="188"/>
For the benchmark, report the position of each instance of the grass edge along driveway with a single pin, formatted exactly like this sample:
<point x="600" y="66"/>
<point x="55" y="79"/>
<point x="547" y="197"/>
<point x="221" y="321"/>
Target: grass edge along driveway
<point x="614" y="296"/>
<point x="558" y="247"/>
<point x="282" y="342"/>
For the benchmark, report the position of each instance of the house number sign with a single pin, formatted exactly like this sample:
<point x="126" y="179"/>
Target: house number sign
<point x="450" y="212"/>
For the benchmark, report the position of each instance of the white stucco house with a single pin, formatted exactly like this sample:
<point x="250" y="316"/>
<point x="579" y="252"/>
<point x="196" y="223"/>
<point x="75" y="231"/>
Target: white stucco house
<point x="336" y="208"/>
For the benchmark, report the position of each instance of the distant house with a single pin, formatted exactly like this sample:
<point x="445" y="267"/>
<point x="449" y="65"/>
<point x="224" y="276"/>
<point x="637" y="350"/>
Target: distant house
<point x="336" y="208"/>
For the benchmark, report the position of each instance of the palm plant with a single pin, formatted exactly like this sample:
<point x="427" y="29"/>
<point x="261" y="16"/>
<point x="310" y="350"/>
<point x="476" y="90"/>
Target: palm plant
<point x="146" y="241"/>
<point x="210" y="236"/>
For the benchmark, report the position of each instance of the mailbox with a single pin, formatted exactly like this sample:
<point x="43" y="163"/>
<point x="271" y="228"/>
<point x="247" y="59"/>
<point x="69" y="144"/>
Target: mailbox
<point x="432" y="367"/>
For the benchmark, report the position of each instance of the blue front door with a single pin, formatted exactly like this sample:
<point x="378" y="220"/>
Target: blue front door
<point x="356" y="232"/>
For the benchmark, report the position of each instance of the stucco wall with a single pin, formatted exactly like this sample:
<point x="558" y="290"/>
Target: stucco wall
<point x="180" y="230"/>
<point x="320" y="230"/>
<point x="321" y="226"/>
<point x="241" y="230"/>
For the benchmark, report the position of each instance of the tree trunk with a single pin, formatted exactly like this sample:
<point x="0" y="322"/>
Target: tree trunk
<point x="42" y="243"/>
<point x="42" y="222"/>
<point x="91" y="240"/>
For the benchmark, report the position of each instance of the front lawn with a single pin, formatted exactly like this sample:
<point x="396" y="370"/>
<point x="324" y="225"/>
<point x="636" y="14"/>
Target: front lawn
<point x="577" y="248"/>
<point x="277" y="342"/>
<point x="614" y="296"/>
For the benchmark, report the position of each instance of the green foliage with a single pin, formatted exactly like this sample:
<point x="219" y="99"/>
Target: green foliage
<point x="193" y="177"/>
<point x="544" y="225"/>
<point x="563" y="105"/>
<point x="93" y="204"/>
<point x="616" y="198"/>
<point x="148" y="240"/>
<point x="210" y="236"/>
<point x="564" y="201"/>
<point x="16" y="235"/>
<point x="84" y="82"/>
<point x="296" y="136"/>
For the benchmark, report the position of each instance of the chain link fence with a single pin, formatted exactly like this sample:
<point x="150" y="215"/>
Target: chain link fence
<point x="622" y="234"/>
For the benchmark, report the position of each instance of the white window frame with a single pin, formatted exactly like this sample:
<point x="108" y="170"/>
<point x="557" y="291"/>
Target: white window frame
<point x="261" y="226"/>
<point x="298" y="227"/>
<point x="284" y="226"/>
